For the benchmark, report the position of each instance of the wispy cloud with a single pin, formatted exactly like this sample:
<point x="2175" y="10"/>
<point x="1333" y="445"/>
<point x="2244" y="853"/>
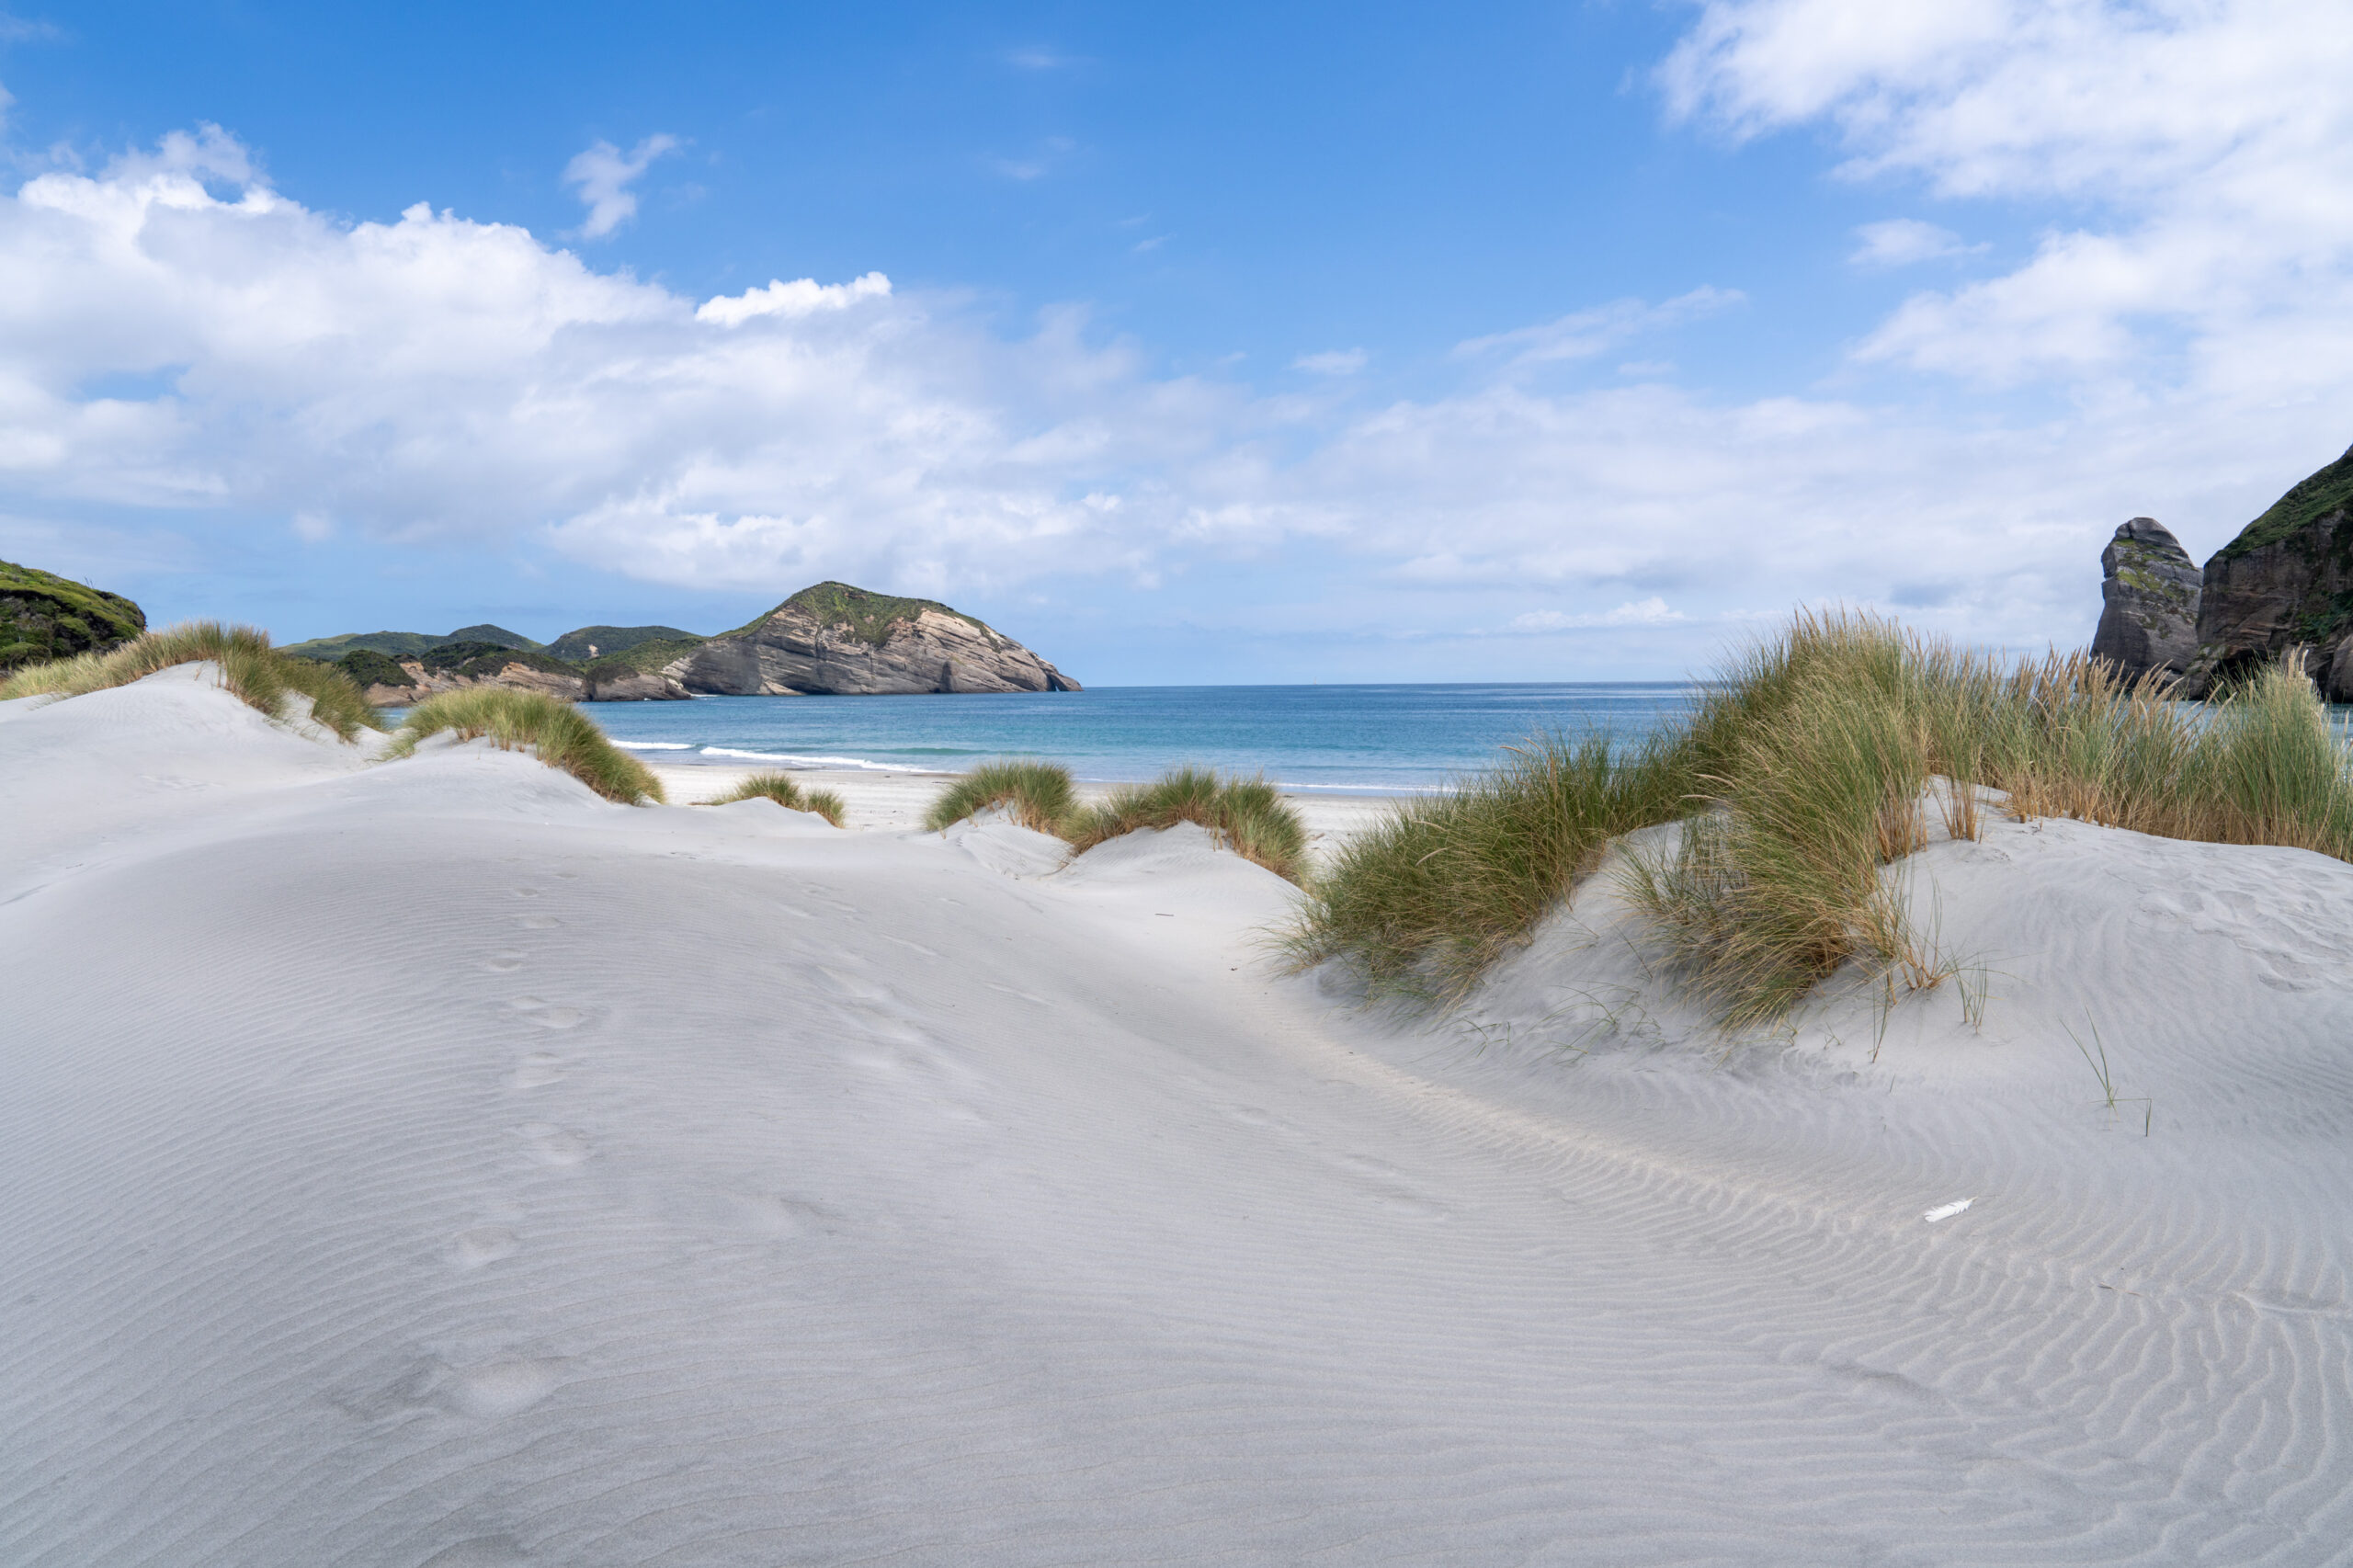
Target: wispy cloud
<point x="1051" y="153"/>
<point x="1584" y="334"/>
<point x="1038" y="57"/>
<point x="1651" y="611"/>
<point x="601" y="177"/>
<point x="1901" y="242"/>
<point x="24" y="30"/>
<point x="1332" y="362"/>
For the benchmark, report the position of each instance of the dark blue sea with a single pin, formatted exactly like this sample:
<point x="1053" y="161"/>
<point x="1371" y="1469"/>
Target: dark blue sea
<point x="1348" y="739"/>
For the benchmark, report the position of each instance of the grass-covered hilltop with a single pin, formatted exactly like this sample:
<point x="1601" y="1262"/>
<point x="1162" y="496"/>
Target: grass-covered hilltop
<point x="45" y="616"/>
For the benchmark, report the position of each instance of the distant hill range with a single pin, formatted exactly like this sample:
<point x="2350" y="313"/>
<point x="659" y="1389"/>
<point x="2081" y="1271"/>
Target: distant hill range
<point x="828" y="640"/>
<point x="45" y="616"/>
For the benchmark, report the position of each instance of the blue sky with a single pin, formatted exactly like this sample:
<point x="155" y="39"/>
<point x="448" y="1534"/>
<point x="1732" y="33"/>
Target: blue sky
<point x="1227" y="343"/>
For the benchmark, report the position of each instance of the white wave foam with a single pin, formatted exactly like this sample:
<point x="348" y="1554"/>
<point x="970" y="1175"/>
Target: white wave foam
<point x="792" y="760"/>
<point x="655" y="745"/>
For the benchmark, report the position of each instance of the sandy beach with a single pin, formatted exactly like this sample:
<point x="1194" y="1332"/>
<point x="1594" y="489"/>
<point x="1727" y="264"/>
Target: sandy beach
<point x="431" y="1163"/>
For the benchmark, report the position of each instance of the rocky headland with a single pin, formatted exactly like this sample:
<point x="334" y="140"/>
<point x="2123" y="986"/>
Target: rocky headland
<point x="45" y="616"/>
<point x="834" y="640"/>
<point x="2283" y="586"/>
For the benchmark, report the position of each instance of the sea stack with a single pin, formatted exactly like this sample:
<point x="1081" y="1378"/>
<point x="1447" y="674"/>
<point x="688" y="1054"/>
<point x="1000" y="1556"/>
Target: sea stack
<point x="2285" y="583"/>
<point x="834" y="640"/>
<point x="2149" y="594"/>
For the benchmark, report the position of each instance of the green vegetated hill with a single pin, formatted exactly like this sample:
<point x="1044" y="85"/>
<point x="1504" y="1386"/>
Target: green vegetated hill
<point x="405" y="642"/>
<point x="2313" y="498"/>
<point x="869" y="616"/>
<point x="611" y="642"/>
<point x="45" y="616"/>
<point x="372" y="658"/>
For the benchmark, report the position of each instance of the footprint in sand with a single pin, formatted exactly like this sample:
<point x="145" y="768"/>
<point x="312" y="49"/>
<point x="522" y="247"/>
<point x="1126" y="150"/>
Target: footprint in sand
<point x="527" y="893"/>
<point x="482" y="1551"/>
<point x="483" y="1243"/>
<point x="502" y="964"/>
<point x="544" y="1015"/>
<point x="536" y="922"/>
<point x="536" y="1070"/>
<point x="552" y="1146"/>
<point x="494" y="1388"/>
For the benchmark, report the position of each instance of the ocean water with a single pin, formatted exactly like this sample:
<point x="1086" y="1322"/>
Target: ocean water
<point x="1348" y="739"/>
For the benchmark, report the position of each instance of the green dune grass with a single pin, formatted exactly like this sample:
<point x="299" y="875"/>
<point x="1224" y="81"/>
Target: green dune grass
<point x="1800" y="774"/>
<point x="782" y="789"/>
<point x="555" y="729"/>
<point x="263" y="678"/>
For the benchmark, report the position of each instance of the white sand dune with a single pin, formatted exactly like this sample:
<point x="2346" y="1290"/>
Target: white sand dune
<point x="431" y="1163"/>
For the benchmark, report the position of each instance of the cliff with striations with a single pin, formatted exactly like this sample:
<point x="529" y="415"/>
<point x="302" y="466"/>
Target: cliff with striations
<point x="834" y="640"/>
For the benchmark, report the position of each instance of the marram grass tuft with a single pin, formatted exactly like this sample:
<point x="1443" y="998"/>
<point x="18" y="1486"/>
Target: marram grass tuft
<point x="785" y="792"/>
<point x="1799" y="775"/>
<point x="551" y="727"/>
<point x="1038" y="794"/>
<point x="252" y="670"/>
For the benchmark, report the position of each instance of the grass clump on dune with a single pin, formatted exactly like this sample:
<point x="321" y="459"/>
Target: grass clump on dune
<point x="1038" y="794"/>
<point x="782" y="789"/>
<point x="1426" y="899"/>
<point x="1800" y="774"/>
<point x="1245" y="814"/>
<point x="263" y="678"/>
<point x="553" y="728"/>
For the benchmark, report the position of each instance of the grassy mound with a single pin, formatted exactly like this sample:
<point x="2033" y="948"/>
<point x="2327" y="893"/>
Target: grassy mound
<point x="552" y="727"/>
<point x="1247" y="814"/>
<point x="782" y="789"/>
<point x="1798" y="776"/>
<point x="45" y="617"/>
<point x="260" y="675"/>
<point x="1039" y="794"/>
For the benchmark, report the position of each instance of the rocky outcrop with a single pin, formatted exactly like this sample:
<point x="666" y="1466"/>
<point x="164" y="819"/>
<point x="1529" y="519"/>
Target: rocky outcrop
<point x="835" y="641"/>
<point x="2148" y="591"/>
<point x="2285" y="585"/>
<point x="626" y="683"/>
<point x="45" y="616"/>
<point x="402" y="681"/>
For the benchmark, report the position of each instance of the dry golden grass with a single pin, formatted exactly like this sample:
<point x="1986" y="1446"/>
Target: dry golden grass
<point x="1798" y="778"/>
<point x="257" y="674"/>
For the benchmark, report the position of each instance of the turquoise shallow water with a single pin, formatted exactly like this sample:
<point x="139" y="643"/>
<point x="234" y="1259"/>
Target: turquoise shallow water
<point x="1360" y="739"/>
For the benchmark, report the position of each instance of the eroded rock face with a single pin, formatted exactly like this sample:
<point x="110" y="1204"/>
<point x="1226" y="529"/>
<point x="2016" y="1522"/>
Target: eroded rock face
<point x="423" y="683"/>
<point x="2149" y="593"/>
<point x="835" y="641"/>
<point x="618" y="682"/>
<point x="2285" y="584"/>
